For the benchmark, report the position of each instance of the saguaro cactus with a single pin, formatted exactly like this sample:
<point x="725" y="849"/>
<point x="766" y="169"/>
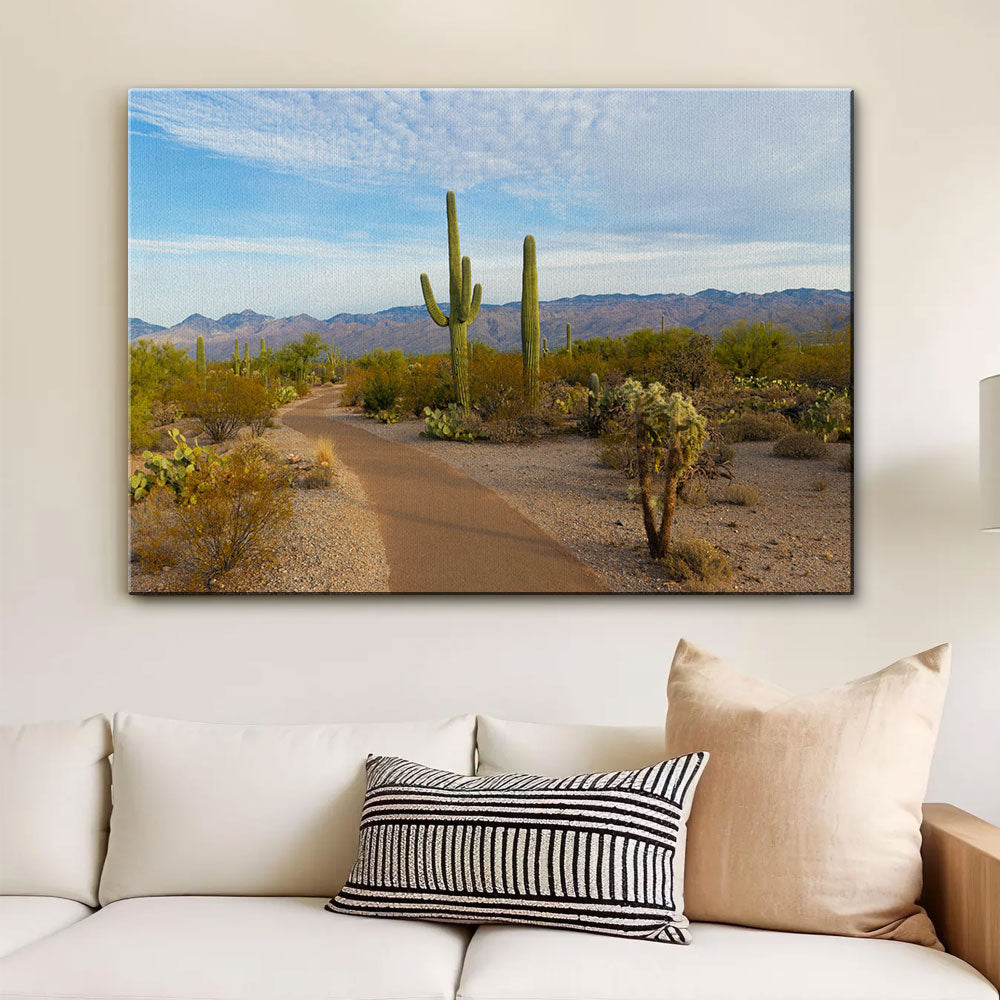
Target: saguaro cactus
<point x="246" y="359"/>
<point x="531" y="345"/>
<point x="236" y="355"/>
<point x="569" y="340"/>
<point x="201" y="366"/>
<point x="464" y="302"/>
<point x="593" y="392"/>
<point x="663" y="323"/>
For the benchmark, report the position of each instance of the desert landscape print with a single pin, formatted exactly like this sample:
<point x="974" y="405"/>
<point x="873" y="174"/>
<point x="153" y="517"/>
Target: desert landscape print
<point x="490" y="341"/>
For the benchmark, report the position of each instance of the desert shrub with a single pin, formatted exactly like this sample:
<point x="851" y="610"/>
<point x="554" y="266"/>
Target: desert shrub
<point x="150" y="540"/>
<point x="820" y="485"/>
<point x="725" y="453"/>
<point x="616" y="447"/>
<point x="824" y="359"/>
<point x="495" y="383"/>
<point x="755" y="349"/>
<point x="302" y="389"/>
<point x="383" y="377"/>
<point x="155" y="370"/>
<point x="755" y="427"/>
<point x="741" y="495"/>
<point x="427" y="383"/>
<point x="799" y="445"/>
<point x="504" y="430"/>
<point x="226" y="403"/>
<point x="322" y="472"/>
<point x="693" y="494"/>
<point x="451" y="424"/>
<point x="237" y="524"/>
<point x="699" y="565"/>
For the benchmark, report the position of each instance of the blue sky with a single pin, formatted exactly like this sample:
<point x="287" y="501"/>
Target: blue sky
<point x="327" y="201"/>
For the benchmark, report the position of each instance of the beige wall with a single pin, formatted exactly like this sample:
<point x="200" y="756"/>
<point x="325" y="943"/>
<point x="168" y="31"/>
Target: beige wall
<point x="928" y="301"/>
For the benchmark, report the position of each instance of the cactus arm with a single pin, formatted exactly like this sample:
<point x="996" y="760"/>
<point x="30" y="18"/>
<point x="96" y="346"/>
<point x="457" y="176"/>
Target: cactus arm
<point x="432" y="307"/>
<point x="477" y="301"/>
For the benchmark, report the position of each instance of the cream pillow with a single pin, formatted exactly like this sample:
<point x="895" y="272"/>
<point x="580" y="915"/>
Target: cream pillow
<point x="809" y="817"/>
<point x="55" y="797"/>
<point x="215" y="809"/>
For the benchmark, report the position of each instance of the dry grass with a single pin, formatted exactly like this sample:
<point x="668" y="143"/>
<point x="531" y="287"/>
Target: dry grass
<point x="756" y="427"/>
<point x="819" y="485"/>
<point x="322" y="474"/>
<point x="799" y="446"/>
<point x="741" y="495"/>
<point x="699" y="565"/>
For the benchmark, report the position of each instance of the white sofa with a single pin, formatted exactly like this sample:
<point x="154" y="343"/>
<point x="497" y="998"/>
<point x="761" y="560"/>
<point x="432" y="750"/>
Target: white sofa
<point x="226" y="841"/>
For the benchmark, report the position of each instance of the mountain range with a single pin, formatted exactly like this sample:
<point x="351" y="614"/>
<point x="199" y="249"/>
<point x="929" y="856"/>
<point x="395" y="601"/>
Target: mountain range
<point x="409" y="328"/>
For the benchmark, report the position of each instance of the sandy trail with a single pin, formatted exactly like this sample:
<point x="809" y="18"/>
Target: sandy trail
<point x="443" y="532"/>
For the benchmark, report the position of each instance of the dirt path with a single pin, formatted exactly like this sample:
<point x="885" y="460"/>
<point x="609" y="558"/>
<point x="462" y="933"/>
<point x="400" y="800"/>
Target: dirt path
<point x="443" y="532"/>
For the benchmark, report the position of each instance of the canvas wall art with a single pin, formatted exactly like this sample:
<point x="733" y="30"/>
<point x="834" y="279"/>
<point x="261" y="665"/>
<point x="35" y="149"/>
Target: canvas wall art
<point x="490" y="341"/>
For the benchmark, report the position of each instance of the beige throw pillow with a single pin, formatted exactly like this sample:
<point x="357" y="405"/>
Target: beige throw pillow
<point x="809" y="817"/>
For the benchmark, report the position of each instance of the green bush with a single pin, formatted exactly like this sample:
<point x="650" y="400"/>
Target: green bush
<point x="799" y="445"/>
<point x="226" y="403"/>
<point x="758" y="350"/>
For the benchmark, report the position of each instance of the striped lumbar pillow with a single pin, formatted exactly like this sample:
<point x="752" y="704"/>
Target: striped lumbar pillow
<point x="595" y="852"/>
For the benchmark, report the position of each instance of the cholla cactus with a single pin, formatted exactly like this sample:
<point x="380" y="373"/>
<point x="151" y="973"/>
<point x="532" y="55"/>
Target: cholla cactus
<point x="464" y="305"/>
<point x="530" y="324"/>
<point x="669" y="433"/>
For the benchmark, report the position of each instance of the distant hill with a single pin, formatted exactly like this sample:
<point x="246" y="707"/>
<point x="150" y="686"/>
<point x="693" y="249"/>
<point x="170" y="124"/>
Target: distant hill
<point x="411" y="329"/>
<point x="140" y="328"/>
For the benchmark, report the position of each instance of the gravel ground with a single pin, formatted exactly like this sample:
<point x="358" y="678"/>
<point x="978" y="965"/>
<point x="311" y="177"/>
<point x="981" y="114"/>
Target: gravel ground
<point x="797" y="539"/>
<point x="333" y="543"/>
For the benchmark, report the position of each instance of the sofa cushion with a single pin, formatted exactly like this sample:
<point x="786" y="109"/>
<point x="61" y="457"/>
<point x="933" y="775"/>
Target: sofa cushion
<point x="595" y="852"/>
<point x="55" y="786"/>
<point x="809" y="817"/>
<point x="214" y="809"/>
<point x="24" y="919"/>
<point x="524" y="963"/>
<point x="237" y="948"/>
<point x="558" y="750"/>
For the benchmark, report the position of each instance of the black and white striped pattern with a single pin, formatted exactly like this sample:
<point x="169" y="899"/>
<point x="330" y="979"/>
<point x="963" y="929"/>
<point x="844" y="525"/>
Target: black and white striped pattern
<point x="595" y="852"/>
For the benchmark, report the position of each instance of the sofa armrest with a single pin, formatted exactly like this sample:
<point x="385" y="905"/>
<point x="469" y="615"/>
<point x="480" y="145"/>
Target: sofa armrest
<point x="962" y="885"/>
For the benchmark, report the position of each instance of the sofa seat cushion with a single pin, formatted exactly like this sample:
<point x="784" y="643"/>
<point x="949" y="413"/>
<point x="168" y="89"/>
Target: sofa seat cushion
<point x="724" y="962"/>
<point x="24" y="919"/>
<point x="237" y="948"/>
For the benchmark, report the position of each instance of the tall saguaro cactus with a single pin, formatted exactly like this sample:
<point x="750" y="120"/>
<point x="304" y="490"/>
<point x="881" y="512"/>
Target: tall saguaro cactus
<point x="236" y="356"/>
<point x="246" y="359"/>
<point x="531" y="329"/>
<point x="569" y="340"/>
<point x="464" y="302"/>
<point x="201" y="366"/>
